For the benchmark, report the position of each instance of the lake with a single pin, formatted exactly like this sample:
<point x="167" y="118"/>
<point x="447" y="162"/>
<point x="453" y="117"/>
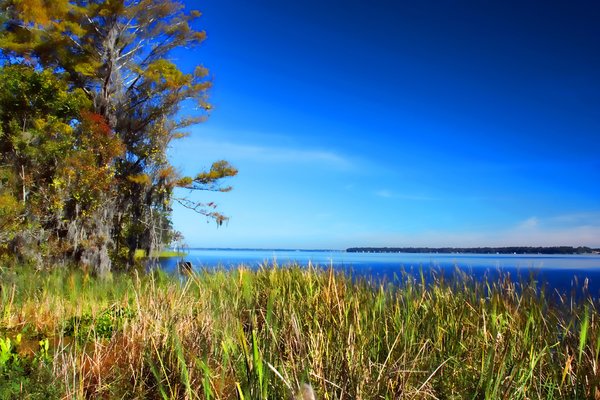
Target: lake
<point x="564" y="273"/>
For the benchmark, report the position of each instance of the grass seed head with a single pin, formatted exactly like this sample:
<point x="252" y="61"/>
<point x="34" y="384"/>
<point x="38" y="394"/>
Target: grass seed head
<point x="305" y="392"/>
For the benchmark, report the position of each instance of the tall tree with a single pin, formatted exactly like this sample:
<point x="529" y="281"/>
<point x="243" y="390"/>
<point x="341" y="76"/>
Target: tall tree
<point x="117" y="52"/>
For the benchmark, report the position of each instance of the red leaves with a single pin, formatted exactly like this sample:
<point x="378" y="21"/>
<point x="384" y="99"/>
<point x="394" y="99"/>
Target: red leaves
<point x="95" y="122"/>
<point x="96" y="136"/>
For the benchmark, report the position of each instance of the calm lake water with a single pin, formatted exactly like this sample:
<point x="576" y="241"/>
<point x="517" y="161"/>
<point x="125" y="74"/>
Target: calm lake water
<point x="564" y="273"/>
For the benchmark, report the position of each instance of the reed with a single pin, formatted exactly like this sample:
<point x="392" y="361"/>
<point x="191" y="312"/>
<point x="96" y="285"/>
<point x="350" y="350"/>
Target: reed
<point x="290" y="332"/>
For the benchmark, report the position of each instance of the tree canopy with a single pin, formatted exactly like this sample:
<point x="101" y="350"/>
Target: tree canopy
<point x="89" y="103"/>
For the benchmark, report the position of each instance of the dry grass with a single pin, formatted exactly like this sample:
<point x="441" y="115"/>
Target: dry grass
<point x="269" y="333"/>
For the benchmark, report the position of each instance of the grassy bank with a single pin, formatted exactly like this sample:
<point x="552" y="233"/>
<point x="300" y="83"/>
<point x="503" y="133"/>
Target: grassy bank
<point x="261" y="334"/>
<point x="166" y="253"/>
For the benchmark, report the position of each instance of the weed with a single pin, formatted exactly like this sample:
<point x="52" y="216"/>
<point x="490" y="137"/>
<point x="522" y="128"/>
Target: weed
<point x="102" y="326"/>
<point x="26" y="377"/>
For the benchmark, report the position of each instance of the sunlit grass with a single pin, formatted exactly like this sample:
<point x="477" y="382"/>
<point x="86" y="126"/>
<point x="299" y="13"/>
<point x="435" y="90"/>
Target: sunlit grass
<point x="165" y="253"/>
<point x="241" y="333"/>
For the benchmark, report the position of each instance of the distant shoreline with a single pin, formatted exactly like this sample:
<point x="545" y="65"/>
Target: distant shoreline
<point x="479" y="250"/>
<point x="556" y="250"/>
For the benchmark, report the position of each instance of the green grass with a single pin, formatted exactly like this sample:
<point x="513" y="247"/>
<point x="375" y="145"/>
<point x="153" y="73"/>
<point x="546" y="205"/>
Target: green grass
<point x="171" y="253"/>
<point x="263" y="334"/>
<point x="140" y="254"/>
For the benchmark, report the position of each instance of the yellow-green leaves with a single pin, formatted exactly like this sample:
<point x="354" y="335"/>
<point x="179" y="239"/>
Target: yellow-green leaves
<point x="165" y="72"/>
<point x="220" y="169"/>
<point x="140" y="179"/>
<point x="184" y="182"/>
<point x="40" y="12"/>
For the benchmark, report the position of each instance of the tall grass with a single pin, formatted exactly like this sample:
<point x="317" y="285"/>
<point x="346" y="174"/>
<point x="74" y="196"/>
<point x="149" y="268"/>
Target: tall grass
<point x="279" y="331"/>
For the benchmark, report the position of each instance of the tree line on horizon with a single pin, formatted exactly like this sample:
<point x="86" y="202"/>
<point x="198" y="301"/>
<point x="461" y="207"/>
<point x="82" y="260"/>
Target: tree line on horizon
<point x="90" y="100"/>
<point x="478" y="250"/>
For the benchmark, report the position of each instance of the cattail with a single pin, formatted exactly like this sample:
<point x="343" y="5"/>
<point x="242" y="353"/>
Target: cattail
<point x="305" y="393"/>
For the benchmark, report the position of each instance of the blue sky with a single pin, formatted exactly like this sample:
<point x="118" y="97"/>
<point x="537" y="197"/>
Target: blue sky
<point x="398" y="123"/>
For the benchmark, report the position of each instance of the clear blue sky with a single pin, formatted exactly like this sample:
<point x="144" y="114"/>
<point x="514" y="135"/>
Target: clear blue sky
<point x="399" y="123"/>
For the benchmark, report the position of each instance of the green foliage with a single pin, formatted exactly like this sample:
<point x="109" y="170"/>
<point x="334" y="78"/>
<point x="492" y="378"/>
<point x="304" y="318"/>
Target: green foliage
<point x="7" y="354"/>
<point x="26" y="377"/>
<point x="61" y="163"/>
<point x="102" y="326"/>
<point x="218" y="170"/>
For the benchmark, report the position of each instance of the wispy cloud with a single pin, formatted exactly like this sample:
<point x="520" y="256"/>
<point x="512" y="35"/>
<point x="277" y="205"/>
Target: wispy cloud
<point x="383" y="193"/>
<point x="582" y="218"/>
<point x="529" y="223"/>
<point x="275" y="154"/>
<point x="420" y="196"/>
<point x="581" y="236"/>
<point x="562" y="221"/>
<point x="388" y="194"/>
<point x="574" y="230"/>
<point x="567" y="229"/>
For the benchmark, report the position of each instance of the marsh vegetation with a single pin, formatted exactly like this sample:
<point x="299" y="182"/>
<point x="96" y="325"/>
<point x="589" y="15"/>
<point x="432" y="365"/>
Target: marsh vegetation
<point x="253" y="334"/>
